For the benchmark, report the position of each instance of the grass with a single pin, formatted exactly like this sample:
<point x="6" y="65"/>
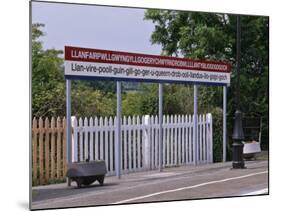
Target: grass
<point x="34" y="193"/>
<point x="263" y="155"/>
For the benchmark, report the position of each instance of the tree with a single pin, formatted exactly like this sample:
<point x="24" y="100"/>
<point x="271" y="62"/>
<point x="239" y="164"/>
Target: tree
<point x="47" y="78"/>
<point x="87" y="101"/>
<point x="48" y="86"/>
<point x="191" y="34"/>
<point x="213" y="36"/>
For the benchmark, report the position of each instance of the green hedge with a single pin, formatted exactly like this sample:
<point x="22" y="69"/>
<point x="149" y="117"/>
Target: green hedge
<point x="217" y="114"/>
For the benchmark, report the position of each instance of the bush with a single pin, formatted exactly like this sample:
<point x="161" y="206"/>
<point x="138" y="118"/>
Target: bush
<point x="217" y="114"/>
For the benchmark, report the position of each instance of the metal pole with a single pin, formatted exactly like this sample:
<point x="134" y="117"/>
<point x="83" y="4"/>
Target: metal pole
<point x="238" y="134"/>
<point x="160" y="126"/>
<point x="195" y="126"/>
<point x="224" y="123"/>
<point x="68" y="125"/>
<point x="118" y="132"/>
<point x="238" y="51"/>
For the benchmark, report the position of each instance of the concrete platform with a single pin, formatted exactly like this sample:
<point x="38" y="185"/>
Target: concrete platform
<point x="177" y="183"/>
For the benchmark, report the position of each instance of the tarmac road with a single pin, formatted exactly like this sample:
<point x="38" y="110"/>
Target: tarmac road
<point x="178" y="183"/>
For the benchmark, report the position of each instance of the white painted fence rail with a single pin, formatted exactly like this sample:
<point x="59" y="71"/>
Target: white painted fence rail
<point x="94" y="138"/>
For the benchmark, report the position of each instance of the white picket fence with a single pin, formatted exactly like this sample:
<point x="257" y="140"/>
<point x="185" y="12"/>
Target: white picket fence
<point x="94" y="139"/>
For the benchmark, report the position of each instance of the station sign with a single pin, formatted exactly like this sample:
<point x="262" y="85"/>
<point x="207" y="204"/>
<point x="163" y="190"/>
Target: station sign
<point x="88" y="63"/>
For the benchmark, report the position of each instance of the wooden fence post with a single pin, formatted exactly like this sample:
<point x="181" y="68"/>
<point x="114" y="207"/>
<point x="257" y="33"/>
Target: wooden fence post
<point x="86" y="131"/>
<point x="47" y="155"/>
<point x="34" y="149"/>
<point x="106" y="128"/>
<point x="59" y="130"/>
<point x="41" y="158"/>
<point x="91" y="125"/>
<point x="139" y="143"/>
<point x="74" y="141"/>
<point x="53" y="148"/>
<point x="146" y="144"/>
<point x="125" y="150"/>
<point x="129" y="144"/>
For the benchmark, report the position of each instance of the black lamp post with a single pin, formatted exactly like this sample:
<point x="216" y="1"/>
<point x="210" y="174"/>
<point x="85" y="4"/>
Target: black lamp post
<point x="238" y="134"/>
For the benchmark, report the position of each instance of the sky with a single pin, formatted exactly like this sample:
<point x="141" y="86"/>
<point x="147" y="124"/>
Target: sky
<point x="109" y="28"/>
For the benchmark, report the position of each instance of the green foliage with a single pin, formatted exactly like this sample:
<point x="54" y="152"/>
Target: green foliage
<point x="88" y="102"/>
<point x="192" y="34"/>
<point x="213" y="36"/>
<point x="48" y="86"/>
<point x="141" y="102"/>
<point x="105" y="86"/>
<point x="131" y="104"/>
<point x="47" y="78"/>
<point x="177" y="99"/>
<point x="149" y="101"/>
<point x="217" y="134"/>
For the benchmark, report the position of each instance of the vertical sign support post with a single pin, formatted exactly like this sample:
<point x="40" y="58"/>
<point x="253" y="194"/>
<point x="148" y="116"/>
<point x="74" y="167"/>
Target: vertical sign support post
<point x="195" y="126"/>
<point x="160" y="110"/>
<point x="118" y="132"/>
<point x="68" y="125"/>
<point x="224" y="122"/>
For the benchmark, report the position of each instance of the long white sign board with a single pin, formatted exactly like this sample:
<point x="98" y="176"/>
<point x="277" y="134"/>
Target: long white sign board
<point x="86" y="63"/>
